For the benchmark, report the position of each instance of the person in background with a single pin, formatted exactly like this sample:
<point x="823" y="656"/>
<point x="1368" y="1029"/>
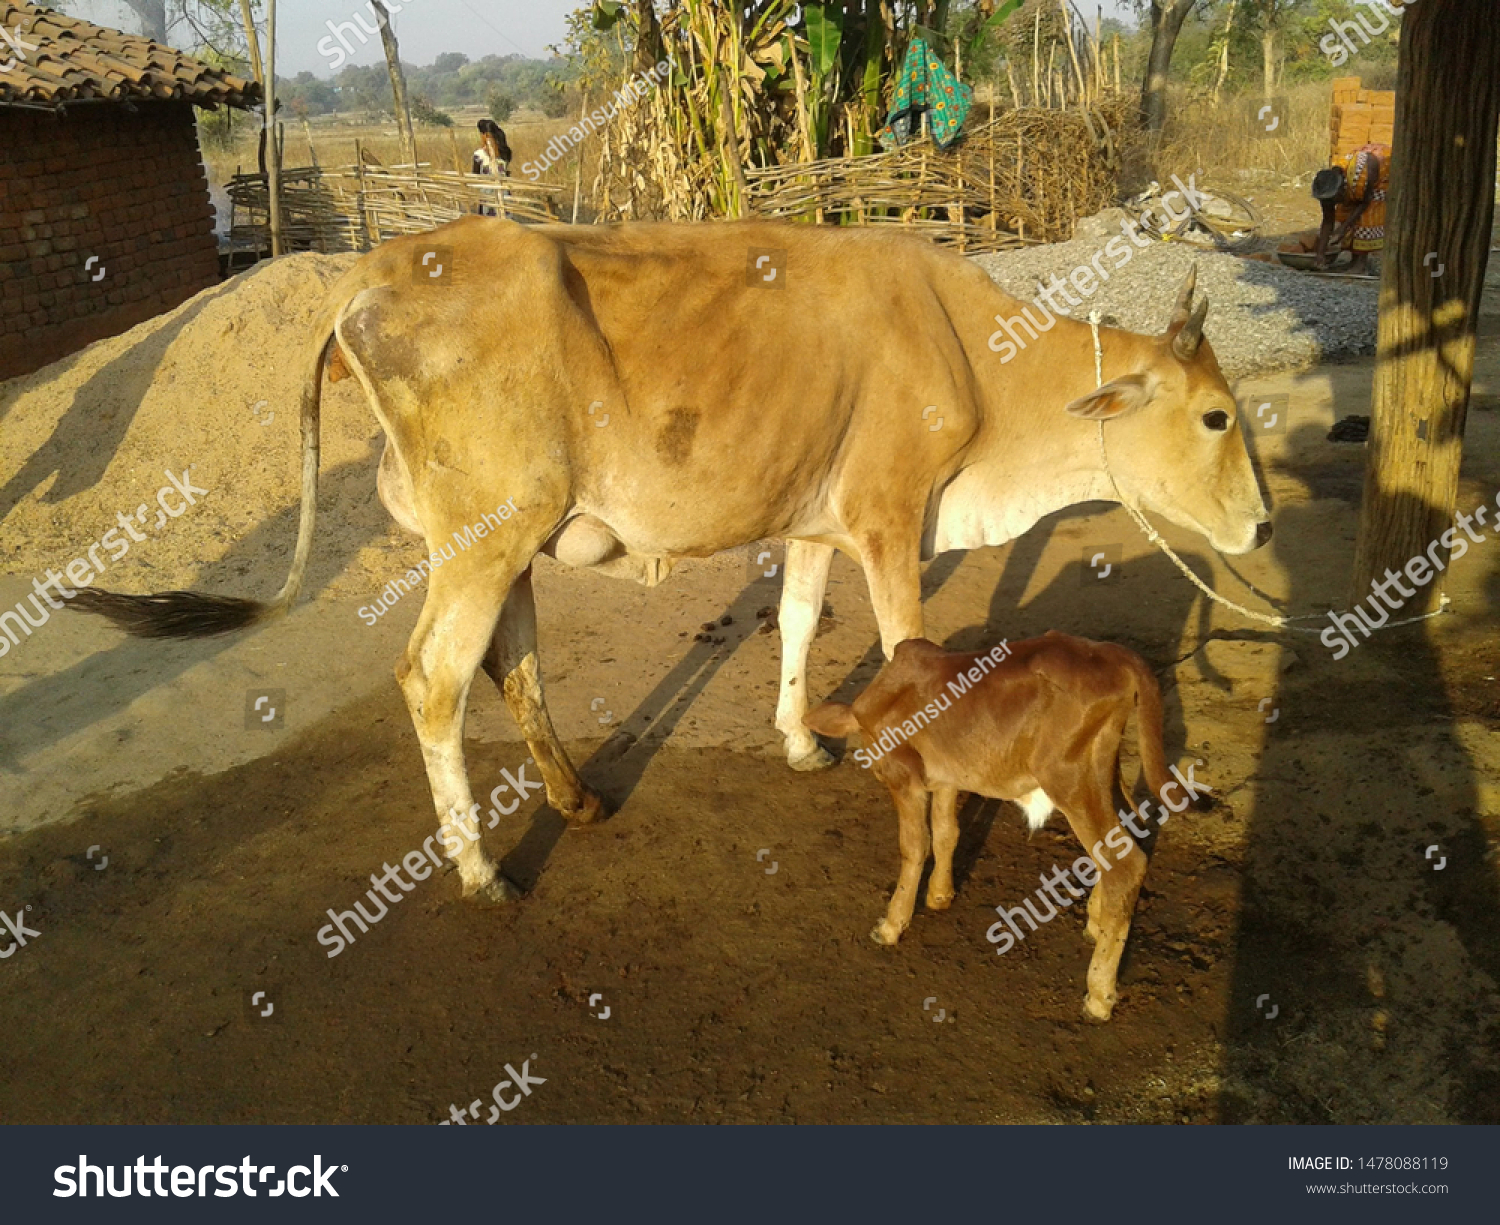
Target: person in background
<point x="492" y="158"/>
<point x="1353" y="192"/>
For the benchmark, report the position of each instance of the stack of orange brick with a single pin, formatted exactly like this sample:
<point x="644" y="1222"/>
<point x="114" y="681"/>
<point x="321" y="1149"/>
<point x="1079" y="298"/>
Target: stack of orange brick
<point x="1360" y="116"/>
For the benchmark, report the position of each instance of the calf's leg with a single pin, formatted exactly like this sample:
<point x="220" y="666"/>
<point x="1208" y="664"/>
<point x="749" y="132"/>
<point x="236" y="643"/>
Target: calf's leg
<point x="944" y="839"/>
<point x="1112" y="905"/>
<point x="896" y="772"/>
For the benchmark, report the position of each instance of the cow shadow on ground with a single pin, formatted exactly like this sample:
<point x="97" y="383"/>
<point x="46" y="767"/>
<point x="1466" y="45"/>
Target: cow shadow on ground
<point x="1367" y="950"/>
<point x="618" y="765"/>
<point x="84" y="440"/>
<point x="61" y="704"/>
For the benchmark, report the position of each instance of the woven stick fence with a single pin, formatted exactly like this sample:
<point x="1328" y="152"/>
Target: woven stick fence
<point x="1028" y="176"/>
<point x="353" y="209"/>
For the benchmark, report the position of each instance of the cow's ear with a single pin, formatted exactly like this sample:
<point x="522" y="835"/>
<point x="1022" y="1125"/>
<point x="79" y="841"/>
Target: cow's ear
<point x="1120" y="398"/>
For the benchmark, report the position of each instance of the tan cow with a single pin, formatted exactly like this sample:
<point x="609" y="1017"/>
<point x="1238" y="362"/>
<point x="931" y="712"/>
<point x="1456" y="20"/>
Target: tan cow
<point x="647" y="392"/>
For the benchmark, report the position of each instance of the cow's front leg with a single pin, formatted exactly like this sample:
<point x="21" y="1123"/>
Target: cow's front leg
<point x="511" y="663"/>
<point x="802" y="589"/>
<point x="893" y="570"/>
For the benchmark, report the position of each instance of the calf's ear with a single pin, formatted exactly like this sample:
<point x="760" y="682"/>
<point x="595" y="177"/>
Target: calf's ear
<point x="1127" y="394"/>
<point x="831" y="719"/>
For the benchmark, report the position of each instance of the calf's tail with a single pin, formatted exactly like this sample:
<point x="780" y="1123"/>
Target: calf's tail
<point x="192" y="614"/>
<point x="1148" y="728"/>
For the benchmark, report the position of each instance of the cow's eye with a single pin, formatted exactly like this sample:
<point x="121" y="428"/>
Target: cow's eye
<point x="1216" y="420"/>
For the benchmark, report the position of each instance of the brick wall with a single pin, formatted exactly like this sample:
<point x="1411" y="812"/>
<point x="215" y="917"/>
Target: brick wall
<point x="127" y="187"/>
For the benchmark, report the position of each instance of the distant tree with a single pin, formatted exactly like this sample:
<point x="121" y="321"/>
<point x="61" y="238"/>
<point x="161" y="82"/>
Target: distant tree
<point x="554" y="102"/>
<point x="501" y="106"/>
<point x="423" y="111"/>
<point x="449" y="61"/>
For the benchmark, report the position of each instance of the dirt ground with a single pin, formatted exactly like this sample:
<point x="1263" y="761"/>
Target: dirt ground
<point x="1298" y="955"/>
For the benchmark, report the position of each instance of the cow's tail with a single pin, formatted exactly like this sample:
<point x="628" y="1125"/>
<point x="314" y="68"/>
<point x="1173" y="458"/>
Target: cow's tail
<point x="192" y="614"/>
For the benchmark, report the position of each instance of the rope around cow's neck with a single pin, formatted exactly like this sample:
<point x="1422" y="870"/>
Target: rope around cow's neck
<point x="1280" y="620"/>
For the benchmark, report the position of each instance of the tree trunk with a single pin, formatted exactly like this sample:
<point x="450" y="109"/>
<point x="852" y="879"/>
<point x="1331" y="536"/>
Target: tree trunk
<point x="1224" y="53"/>
<point x="1167" y="17"/>
<point x="273" y="177"/>
<point x="1436" y="251"/>
<point x="398" y="83"/>
<point x="1268" y="61"/>
<point x="153" y="15"/>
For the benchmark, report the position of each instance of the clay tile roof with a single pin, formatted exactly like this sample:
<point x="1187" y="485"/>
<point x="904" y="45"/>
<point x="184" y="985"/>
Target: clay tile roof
<point x="50" y="59"/>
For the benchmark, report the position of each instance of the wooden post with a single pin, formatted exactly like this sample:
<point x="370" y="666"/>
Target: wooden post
<point x="1036" y="54"/>
<point x="273" y="176"/>
<point x="1437" y="246"/>
<point x="398" y="84"/>
<point x="1073" y="52"/>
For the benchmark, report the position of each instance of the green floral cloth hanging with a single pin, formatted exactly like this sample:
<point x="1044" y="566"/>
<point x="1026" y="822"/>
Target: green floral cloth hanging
<point x="926" y="87"/>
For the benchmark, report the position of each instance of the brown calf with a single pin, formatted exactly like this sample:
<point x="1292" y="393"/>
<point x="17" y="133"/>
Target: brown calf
<point x="1039" y="723"/>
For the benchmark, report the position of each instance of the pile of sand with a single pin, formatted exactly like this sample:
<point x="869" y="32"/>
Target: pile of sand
<point x="214" y="384"/>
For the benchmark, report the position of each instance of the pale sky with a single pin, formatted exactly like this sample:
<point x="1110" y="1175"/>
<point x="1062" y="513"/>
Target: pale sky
<point x="424" y="28"/>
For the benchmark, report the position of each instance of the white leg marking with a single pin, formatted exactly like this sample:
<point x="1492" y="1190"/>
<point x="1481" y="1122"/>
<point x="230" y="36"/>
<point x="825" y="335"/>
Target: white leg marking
<point x="1038" y="806"/>
<point x="802" y="590"/>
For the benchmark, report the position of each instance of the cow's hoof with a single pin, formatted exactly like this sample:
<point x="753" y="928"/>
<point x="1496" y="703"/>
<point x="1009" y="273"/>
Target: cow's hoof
<point x="939" y="901"/>
<point x="885" y="932"/>
<point x="498" y="890"/>
<point x="1097" y="1012"/>
<point x="1091" y="933"/>
<point x="592" y="810"/>
<point x="819" y="759"/>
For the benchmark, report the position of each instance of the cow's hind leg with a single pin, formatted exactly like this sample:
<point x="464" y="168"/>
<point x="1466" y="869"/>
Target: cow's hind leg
<point x="802" y="589"/>
<point x="449" y="642"/>
<point x="511" y="663"/>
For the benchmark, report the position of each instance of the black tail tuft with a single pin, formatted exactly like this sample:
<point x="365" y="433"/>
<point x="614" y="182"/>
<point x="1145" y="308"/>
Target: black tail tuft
<point x="170" y="614"/>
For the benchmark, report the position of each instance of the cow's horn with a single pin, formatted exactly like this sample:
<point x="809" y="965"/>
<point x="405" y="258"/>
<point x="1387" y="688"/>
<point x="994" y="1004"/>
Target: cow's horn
<point x="1185" y="343"/>
<point x="1184" y="300"/>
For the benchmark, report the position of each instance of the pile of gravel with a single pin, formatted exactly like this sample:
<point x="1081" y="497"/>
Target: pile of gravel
<point x="1263" y="317"/>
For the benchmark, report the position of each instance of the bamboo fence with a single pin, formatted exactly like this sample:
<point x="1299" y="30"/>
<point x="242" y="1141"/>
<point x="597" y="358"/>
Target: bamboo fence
<point x="1028" y="175"/>
<point x="353" y="209"/>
